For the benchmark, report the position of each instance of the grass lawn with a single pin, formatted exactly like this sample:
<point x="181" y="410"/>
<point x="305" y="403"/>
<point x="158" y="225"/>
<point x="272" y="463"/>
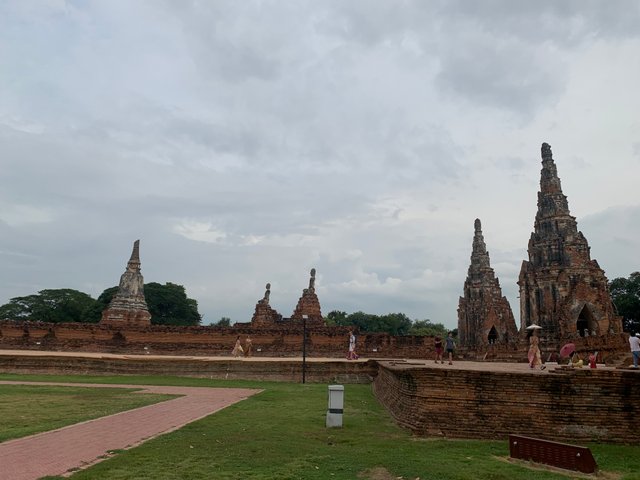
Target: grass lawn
<point x="27" y="409"/>
<point x="280" y="434"/>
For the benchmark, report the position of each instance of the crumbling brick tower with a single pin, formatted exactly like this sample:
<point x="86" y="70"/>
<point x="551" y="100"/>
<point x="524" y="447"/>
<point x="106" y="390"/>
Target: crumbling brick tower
<point x="264" y="315"/>
<point x="128" y="306"/>
<point x="561" y="288"/>
<point x="484" y="314"/>
<point x="309" y="305"/>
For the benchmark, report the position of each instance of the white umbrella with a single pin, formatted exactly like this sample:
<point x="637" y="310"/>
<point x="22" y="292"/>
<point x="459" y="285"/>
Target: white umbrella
<point x="534" y="327"/>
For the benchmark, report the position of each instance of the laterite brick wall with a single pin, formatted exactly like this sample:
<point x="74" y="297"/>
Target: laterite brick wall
<point x="574" y="405"/>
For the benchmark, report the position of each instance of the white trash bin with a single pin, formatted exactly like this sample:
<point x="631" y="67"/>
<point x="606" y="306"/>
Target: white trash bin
<point x="336" y="405"/>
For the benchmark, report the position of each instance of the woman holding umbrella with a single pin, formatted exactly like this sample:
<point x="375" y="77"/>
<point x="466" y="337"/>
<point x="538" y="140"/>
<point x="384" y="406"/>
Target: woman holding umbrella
<point x="535" y="359"/>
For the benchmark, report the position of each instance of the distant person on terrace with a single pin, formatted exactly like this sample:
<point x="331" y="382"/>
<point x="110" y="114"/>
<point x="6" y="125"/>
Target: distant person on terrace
<point x="237" y="349"/>
<point x="634" y="344"/>
<point x="535" y="359"/>
<point x="437" y="343"/>
<point x="352" y="355"/>
<point x="450" y="346"/>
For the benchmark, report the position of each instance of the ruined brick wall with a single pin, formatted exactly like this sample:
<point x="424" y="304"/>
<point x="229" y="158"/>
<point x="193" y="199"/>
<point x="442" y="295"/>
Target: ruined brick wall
<point x="289" y="371"/>
<point x="172" y="340"/>
<point x="574" y="405"/>
<point x="329" y="342"/>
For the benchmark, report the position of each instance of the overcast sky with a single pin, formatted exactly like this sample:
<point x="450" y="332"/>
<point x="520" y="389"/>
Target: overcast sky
<point x="246" y="142"/>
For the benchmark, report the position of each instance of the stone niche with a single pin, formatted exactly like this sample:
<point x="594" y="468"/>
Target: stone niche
<point x="484" y="314"/>
<point x="561" y="288"/>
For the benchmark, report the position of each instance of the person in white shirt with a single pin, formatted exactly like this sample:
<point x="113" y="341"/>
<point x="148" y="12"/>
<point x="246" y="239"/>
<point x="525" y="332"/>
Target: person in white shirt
<point x="634" y="343"/>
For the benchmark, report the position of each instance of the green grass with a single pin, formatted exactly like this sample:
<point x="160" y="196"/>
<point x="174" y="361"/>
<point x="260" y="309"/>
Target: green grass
<point x="280" y="434"/>
<point x="29" y="409"/>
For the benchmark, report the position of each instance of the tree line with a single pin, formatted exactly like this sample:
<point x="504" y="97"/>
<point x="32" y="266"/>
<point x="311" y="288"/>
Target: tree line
<point x="168" y="305"/>
<point x="625" y="293"/>
<point x="391" y="323"/>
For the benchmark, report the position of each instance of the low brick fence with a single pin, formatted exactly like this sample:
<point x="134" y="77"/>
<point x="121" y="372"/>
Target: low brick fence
<point x="244" y="369"/>
<point x="571" y="405"/>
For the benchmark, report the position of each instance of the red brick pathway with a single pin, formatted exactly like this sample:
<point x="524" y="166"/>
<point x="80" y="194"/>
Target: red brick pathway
<point x="80" y="445"/>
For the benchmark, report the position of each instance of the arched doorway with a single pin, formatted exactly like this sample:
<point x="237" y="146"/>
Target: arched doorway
<point x="585" y="323"/>
<point x="493" y="335"/>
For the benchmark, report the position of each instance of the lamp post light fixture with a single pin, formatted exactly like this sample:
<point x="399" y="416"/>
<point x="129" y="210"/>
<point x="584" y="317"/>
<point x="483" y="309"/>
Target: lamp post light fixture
<point x="304" y="347"/>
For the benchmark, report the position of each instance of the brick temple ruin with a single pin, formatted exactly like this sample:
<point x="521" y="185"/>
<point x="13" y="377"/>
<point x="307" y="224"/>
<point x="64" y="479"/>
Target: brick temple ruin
<point x="561" y="288"/>
<point x="484" y="314"/>
<point x="309" y="305"/>
<point x="264" y="316"/>
<point x="128" y="306"/>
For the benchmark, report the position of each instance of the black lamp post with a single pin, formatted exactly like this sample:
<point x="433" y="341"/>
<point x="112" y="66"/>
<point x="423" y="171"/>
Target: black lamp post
<point x="304" y="347"/>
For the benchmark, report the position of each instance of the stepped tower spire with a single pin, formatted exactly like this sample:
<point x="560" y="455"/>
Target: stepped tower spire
<point x="561" y="287"/>
<point x="484" y="314"/>
<point x="128" y="307"/>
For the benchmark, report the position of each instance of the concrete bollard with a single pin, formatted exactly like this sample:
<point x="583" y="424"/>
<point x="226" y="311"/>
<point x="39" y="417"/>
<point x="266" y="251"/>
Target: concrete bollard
<point x="336" y="406"/>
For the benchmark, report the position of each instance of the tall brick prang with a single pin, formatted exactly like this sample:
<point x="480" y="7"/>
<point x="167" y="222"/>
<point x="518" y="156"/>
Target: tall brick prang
<point x="128" y="307"/>
<point x="484" y="314"/>
<point x="561" y="288"/>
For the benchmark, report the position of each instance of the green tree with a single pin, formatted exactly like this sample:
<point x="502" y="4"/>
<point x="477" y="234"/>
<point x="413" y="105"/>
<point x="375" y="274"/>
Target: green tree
<point x="426" y="328"/>
<point x="336" y="317"/>
<point x="94" y="314"/>
<point x="168" y="304"/>
<point x="625" y="294"/>
<point x="51" y="305"/>
<point x="224" y="322"/>
<point x="391" y="323"/>
<point x="395" y="323"/>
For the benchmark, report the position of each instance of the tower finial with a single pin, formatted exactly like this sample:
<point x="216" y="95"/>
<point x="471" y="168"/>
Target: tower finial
<point x="134" y="261"/>
<point x="546" y="152"/>
<point x="477" y="225"/>
<point x="312" y="280"/>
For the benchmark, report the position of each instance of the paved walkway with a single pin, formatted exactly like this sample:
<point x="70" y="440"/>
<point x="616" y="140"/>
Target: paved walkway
<point x="80" y="445"/>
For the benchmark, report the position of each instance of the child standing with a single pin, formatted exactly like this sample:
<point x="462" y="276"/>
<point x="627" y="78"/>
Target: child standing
<point x="438" y="347"/>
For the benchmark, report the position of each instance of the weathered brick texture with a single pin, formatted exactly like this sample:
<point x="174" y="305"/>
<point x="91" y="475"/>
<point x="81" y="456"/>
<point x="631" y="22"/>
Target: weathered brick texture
<point x="573" y="405"/>
<point x="561" y="287"/>
<point x="484" y="314"/>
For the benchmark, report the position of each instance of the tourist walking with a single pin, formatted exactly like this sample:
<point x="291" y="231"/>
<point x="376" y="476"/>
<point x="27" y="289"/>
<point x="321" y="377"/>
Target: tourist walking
<point x="437" y="343"/>
<point x="237" y="349"/>
<point x="593" y="360"/>
<point x="450" y="345"/>
<point x="535" y="359"/>
<point x="351" y="354"/>
<point x="248" y="346"/>
<point x="634" y="344"/>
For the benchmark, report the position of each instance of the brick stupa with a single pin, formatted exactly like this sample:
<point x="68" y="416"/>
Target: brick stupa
<point x="484" y="314"/>
<point x="264" y="315"/>
<point x="561" y="288"/>
<point x="309" y="305"/>
<point x="128" y="307"/>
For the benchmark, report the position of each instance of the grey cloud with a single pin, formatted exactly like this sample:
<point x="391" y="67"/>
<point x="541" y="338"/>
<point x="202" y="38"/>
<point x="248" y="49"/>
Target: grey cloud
<point x="615" y="229"/>
<point x="500" y="73"/>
